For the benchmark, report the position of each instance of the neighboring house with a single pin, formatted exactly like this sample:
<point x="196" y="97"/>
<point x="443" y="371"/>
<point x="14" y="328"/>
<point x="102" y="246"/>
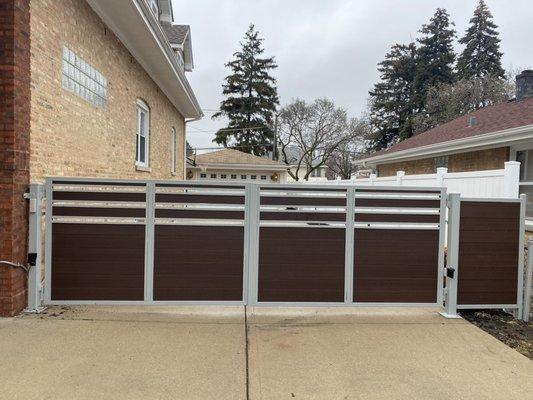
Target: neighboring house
<point x="94" y="88"/>
<point x="481" y="140"/>
<point x="233" y="165"/>
<point x="293" y="155"/>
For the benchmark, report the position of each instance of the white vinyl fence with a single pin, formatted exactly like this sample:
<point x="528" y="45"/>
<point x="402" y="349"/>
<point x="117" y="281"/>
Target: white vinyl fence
<point x="501" y="183"/>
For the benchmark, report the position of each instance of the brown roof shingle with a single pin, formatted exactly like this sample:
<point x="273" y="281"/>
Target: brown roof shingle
<point x="490" y="119"/>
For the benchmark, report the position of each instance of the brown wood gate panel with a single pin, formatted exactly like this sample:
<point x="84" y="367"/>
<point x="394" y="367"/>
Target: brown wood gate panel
<point x="97" y="262"/>
<point x="196" y="263"/>
<point x="488" y="252"/>
<point x="395" y="265"/>
<point x="301" y="264"/>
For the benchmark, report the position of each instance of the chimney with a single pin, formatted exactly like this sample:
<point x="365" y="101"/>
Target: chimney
<point x="524" y="85"/>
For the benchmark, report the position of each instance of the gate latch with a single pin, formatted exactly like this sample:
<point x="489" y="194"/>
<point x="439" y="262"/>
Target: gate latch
<point x="450" y="272"/>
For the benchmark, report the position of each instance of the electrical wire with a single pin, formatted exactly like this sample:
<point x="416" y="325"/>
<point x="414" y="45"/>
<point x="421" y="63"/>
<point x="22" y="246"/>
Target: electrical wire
<point x="13" y="265"/>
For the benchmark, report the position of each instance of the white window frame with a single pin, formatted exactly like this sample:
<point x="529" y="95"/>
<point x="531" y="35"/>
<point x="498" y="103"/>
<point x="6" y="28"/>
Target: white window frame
<point x="142" y="107"/>
<point x="173" y="150"/>
<point x="154" y="7"/>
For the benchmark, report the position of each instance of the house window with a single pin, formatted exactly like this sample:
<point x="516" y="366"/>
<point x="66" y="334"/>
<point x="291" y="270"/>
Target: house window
<point x="203" y="176"/>
<point x="154" y="7"/>
<point x="263" y="177"/>
<point x="173" y="149"/>
<point x="143" y="134"/>
<point x="253" y="176"/>
<point x="82" y="79"/>
<point x="233" y="176"/>
<point x="213" y="176"/>
<point x="223" y="176"/>
<point x="243" y="176"/>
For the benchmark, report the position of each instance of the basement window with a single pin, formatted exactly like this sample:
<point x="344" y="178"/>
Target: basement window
<point x="233" y="176"/>
<point x="82" y="79"/>
<point x="203" y="176"/>
<point x="213" y="176"/>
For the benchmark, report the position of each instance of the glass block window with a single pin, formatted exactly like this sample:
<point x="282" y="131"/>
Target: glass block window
<point x="233" y="176"/>
<point x="203" y="176"/>
<point x="82" y="79"/>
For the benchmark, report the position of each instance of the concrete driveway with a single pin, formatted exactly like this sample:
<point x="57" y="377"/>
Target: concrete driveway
<point x="201" y="353"/>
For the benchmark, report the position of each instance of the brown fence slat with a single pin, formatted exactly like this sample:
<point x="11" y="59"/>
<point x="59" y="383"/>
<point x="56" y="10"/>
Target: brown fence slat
<point x="297" y="216"/>
<point x="97" y="262"/>
<point x="397" y="218"/>
<point x="488" y="252"/>
<point x="198" y="263"/>
<point x="303" y="201"/>
<point x="395" y="266"/>
<point x="396" y="203"/>
<point x="301" y="265"/>
<point x="99" y="196"/>
<point x="99" y="212"/>
<point x="194" y="198"/>
<point x="199" y="214"/>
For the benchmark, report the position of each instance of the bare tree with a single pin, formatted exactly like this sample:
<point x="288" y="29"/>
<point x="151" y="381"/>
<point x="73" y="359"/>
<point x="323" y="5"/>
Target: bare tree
<point x="449" y="101"/>
<point x="310" y="133"/>
<point x="343" y="157"/>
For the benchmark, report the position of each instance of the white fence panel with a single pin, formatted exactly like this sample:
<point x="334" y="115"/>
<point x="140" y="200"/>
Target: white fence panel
<point x="501" y="183"/>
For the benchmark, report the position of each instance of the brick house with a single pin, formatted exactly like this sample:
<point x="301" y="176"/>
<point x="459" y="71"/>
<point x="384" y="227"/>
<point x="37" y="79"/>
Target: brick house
<point x="482" y="140"/>
<point x="237" y="166"/>
<point x="88" y="88"/>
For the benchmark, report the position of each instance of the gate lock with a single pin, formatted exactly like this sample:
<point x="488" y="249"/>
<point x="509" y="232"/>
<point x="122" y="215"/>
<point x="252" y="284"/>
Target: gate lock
<point x="450" y="272"/>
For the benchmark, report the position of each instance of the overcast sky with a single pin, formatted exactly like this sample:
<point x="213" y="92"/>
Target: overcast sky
<point x="326" y="48"/>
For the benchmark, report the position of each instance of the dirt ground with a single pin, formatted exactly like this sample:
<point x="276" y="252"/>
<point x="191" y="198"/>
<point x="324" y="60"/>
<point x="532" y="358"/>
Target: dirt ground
<point x="504" y="327"/>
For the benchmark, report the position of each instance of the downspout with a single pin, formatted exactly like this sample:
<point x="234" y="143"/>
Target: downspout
<point x="186" y="121"/>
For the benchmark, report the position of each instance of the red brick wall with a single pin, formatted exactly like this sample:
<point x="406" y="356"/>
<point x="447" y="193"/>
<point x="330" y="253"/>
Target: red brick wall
<point x="14" y="149"/>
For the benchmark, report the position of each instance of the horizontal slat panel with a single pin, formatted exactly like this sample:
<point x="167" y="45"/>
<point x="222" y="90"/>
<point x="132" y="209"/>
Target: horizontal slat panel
<point x="488" y="252"/>
<point x="97" y="262"/>
<point x="395" y="266"/>
<point x="198" y="263"/>
<point x="301" y="265"/>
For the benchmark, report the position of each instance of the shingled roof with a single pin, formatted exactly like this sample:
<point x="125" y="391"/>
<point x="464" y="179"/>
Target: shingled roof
<point x="176" y="34"/>
<point x="499" y="117"/>
<point x="234" y="157"/>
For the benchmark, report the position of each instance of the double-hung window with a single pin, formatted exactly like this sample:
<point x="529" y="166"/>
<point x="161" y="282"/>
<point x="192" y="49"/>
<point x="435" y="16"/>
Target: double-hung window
<point x="173" y="150"/>
<point x="142" y="158"/>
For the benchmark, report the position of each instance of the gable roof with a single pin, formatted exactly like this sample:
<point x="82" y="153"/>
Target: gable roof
<point x="231" y="157"/>
<point x="496" y="118"/>
<point x="176" y="33"/>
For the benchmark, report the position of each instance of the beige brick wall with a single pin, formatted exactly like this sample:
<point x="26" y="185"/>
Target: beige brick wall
<point x="71" y="137"/>
<point x="471" y="161"/>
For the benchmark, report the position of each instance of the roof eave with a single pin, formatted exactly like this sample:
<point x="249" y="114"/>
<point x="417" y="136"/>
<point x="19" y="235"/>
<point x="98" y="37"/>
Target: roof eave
<point x="507" y="137"/>
<point x="140" y="32"/>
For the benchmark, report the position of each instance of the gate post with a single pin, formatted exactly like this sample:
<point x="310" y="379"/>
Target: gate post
<point x="452" y="259"/>
<point x="349" y="245"/>
<point x="251" y="242"/>
<point x="35" y="248"/>
<point x="149" y="242"/>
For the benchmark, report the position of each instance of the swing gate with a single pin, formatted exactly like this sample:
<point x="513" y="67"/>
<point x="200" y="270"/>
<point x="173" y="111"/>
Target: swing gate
<point x="174" y="242"/>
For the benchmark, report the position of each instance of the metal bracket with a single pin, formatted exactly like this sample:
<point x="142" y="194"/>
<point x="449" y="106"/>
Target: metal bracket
<point x="450" y="272"/>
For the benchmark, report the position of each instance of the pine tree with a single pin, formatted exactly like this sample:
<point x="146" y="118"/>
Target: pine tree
<point x="481" y="56"/>
<point x="391" y="100"/>
<point x="251" y="99"/>
<point x="435" y="56"/>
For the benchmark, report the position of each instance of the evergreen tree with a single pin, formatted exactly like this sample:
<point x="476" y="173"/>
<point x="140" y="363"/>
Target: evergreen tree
<point x="481" y="56"/>
<point x="435" y="56"/>
<point x="391" y="100"/>
<point x="251" y="98"/>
